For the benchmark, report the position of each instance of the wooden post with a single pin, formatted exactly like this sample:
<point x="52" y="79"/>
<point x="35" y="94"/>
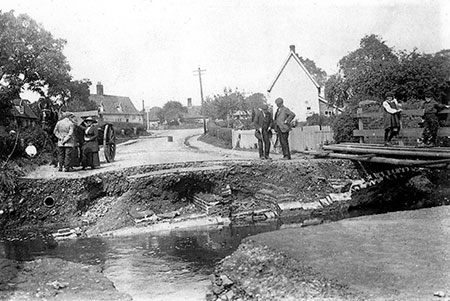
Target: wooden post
<point x="360" y="123"/>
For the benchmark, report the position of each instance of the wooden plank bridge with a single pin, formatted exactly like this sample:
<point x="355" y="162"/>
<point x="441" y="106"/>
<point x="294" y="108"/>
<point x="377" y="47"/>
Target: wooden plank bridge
<point x="410" y="156"/>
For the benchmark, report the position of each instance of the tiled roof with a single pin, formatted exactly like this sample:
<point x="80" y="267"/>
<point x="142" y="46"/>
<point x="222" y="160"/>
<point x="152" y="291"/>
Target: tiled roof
<point x="112" y="104"/>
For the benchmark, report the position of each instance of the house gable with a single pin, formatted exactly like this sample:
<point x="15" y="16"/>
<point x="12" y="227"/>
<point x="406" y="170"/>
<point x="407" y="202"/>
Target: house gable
<point x="298" y="88"/>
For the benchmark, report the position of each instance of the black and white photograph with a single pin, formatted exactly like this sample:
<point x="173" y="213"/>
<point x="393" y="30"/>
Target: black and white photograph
<point x="238" y="150"/>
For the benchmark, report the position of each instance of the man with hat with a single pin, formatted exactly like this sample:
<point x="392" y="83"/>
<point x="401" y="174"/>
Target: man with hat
<point x="431" y="122"/>
<point x="64" y="131"/>
<point x="90" y="148"/>
<point x="391" y="118"/>
<point x="263" y="121"/>
<point x="282" y="125"/>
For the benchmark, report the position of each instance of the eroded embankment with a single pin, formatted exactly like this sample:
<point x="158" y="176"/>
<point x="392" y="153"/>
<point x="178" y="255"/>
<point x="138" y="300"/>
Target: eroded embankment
<point x="243" y="191"/>
<point x="117" y="199"/>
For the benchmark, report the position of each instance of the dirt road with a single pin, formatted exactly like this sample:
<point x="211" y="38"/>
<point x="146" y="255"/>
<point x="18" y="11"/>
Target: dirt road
<point x="153" y="150"/>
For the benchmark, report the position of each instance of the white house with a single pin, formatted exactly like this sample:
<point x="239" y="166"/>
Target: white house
<point x="299" y="90"/>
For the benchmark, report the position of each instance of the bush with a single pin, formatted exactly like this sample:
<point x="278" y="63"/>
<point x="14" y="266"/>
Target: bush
<point x="344" y="124"/>
<point x="222" y="133"/>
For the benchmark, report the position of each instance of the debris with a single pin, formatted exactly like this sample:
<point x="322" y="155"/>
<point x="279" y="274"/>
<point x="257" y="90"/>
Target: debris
<point x="439" y="294"/>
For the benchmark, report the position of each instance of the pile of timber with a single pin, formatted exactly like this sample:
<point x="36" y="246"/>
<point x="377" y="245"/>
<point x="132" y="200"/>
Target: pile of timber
<point x="432" y="157"/>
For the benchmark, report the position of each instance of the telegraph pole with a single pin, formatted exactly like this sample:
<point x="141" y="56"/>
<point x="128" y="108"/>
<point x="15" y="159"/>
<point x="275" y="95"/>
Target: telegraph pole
<point x="199" y="71"/>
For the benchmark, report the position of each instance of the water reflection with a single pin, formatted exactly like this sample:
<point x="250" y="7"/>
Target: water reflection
<point x="173" y="266"/>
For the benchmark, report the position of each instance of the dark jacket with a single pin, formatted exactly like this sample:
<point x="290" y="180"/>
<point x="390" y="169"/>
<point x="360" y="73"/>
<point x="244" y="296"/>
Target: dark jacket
<point x="263" y="120"/>
<point x="91" y="139"/>
<point x="283" y="118"/>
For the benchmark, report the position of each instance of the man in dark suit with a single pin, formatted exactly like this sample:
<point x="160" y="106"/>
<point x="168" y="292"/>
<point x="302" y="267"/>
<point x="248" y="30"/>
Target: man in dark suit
<point x="263" y="122"/>
<point x="282" y="125"/>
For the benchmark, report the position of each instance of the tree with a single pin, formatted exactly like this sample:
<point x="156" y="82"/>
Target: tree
<point x="223" y="106"/>
<point x="76" y="96"/>
<point x="172" y="111"/>
<point x="319" y="75"/>
<point x="30" y="57"/>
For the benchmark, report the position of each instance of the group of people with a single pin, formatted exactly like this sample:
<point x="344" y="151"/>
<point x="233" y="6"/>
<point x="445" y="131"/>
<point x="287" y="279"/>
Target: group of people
<point x="392" y="121"/>
<point x="70" y="146"/>
<point x="264" y="123"/>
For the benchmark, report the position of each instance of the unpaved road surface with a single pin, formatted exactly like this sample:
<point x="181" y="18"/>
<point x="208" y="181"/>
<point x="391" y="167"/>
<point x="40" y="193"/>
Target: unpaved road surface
<point x="153" y="150"/>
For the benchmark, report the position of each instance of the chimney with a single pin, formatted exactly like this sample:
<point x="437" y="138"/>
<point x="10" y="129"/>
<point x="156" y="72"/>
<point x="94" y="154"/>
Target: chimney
<point x="189" y="102"/>
<point x="292" y="48"/>
<point x="99" y="88"/>
<point x="143" y="106"/>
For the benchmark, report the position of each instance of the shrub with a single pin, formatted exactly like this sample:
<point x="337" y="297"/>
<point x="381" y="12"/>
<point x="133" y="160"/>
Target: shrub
<point x="344" y="124"/>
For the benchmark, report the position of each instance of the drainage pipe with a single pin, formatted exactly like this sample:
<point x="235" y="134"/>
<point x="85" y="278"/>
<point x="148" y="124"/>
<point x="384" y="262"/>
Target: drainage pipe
<point x="49" y="201"/>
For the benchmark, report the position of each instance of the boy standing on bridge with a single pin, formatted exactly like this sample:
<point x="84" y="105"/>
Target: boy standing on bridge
<point x="391" y="118"/>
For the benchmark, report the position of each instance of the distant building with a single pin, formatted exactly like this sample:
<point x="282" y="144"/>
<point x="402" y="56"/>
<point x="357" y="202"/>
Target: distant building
<point x="299" y="90"/>
<point x="193" y="114"/>
<point x="22" y="114"/>
<point x="114" y="108"/>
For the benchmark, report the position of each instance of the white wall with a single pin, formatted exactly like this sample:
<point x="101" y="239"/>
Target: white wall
<point x="297" y="91"/>
<point x="300" y="138"/>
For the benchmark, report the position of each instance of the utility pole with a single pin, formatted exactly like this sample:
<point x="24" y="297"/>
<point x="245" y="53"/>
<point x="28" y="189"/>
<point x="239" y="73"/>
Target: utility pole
<point x="199" y="71"/>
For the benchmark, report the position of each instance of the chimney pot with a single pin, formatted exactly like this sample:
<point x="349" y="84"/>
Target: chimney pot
<point x="292" y="48"/>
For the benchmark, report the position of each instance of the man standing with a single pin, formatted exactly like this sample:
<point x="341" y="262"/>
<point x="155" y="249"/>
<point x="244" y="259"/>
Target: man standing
<point x="282" y="125"/>
<point x="431" y="123"/>
<point x="64" y="131"/>
<point x="263" y="122"/>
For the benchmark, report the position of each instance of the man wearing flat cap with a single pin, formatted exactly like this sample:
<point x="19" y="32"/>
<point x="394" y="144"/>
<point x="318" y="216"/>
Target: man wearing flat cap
<point x="282" y="125"/>
<point x="64" y="131"/>
<point x="431" y="122"/>
<point x="263" y="122"/>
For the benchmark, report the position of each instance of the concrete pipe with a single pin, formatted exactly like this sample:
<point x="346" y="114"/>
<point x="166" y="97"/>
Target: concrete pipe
<point x="49" y="201"/>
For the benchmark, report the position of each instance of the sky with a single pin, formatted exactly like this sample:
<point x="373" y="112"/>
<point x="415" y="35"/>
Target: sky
<point x="148" y="50"/>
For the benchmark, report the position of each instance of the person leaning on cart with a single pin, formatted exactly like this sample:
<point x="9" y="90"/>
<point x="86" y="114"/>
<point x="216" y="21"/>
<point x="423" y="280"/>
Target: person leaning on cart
<point x="90" y="148"/>
<point x="430" y="120"/>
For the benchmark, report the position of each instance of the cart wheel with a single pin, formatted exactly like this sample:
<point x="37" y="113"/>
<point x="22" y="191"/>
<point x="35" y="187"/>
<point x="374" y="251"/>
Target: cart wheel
<point x="109" y="143"/>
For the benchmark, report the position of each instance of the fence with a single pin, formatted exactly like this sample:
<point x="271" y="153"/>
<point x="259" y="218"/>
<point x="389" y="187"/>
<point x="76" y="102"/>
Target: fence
<point x="300" y="138"/>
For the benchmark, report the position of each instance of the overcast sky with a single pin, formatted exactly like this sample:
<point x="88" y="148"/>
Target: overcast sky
<point x="148" y="50"/>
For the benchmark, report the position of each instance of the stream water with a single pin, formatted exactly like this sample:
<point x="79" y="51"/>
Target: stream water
<point x="174" y="266"/>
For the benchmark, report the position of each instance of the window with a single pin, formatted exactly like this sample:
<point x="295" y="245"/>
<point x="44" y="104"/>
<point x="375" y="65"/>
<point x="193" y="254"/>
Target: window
<point x="308" y="108"/>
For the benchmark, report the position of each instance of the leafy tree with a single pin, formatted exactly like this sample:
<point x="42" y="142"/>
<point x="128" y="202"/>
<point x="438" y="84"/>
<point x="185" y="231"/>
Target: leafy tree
<point x="172" y="110"/>
<point x="318" y="119"/>
<point x="30" y="57"/>
<point x="223" y="106"/>
<point x="255" y="100"/>
<point x="374" y="69"/>
<point x="76" y="96"/>
<point x="319" y="75"/>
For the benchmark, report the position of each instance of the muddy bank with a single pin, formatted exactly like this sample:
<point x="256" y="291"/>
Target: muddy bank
<point x="117" y="199"/>
<point x="255" y="272"/>
<point x="55" y="279"/>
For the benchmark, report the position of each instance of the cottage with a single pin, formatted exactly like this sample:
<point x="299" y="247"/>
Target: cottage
<point x="193" y="113"/>
<point x="22" y="113"/>
<point x="116" y="108"/>
<point x="300" y="91"/>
